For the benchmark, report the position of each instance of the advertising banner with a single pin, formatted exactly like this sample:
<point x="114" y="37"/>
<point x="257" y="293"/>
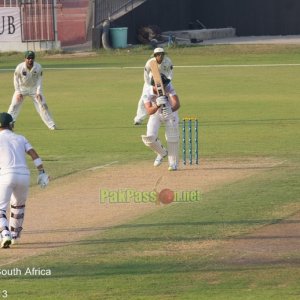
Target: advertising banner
<point x="10" y="24"/>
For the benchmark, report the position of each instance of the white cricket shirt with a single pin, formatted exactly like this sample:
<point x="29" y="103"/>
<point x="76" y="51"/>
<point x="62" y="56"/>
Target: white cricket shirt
<point x="28" y="81"/>
<point x="13" y="148"/>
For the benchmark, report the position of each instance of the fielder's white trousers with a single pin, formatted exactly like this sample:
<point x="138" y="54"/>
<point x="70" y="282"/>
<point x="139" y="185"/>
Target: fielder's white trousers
<point x="40" y="106"/>
<point x="141" y="112"/>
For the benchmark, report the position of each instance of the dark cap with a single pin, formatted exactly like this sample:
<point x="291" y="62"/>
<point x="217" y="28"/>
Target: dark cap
<point x="6" y="120"/>
<point x="30" y="54"/>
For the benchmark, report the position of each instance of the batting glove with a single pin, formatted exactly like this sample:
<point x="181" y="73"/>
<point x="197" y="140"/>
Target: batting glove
<point x="43" y="179"/>
<point x="161" y="101"/>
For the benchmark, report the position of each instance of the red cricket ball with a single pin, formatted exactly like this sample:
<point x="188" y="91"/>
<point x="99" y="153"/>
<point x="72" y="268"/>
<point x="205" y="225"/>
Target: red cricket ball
<point x="166" y="196"/>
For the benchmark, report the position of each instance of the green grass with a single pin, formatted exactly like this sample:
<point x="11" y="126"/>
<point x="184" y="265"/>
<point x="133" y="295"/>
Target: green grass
<point x="243" y="112"/>
<point x="145" y="259"/>
<point x="203" y="55"/>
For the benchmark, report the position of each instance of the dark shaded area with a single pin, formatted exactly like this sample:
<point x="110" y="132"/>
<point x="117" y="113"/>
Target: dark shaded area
<point x="255" y="17"/>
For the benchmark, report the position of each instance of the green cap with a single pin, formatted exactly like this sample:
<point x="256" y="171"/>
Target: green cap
<point x="6" y="120"/>
<point x="30" y="54"/>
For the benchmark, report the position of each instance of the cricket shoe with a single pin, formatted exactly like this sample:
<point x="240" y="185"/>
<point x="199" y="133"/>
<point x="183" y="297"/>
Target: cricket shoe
<point x="6" y="241"/>
<point x="159" y="159"/>
<point x="14" y="240"/>
<point x="172" y="168"/>
<point x="137" y="121"/>
<point x="53" y="127"/>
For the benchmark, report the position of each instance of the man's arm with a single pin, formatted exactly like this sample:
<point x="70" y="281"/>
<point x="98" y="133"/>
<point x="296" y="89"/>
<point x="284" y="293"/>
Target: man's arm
<point x="17" y="84"/>
<point x="43" y="178"/>
<point x="147" y="72"/>
<point x="39" y="89"/>
<point x="36" y="159"/>
<point x="169" y="68"/>
<point x="174" y="101"/>
<point x="151" y="108"/>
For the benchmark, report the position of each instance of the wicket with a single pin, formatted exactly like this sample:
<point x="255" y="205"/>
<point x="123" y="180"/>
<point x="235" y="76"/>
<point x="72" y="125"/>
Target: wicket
<point x="187" y="125"/>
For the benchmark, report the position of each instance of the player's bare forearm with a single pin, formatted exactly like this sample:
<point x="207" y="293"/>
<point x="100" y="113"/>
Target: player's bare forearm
<point x="151" y="108"/>
<point x="19" y="97"/>
<point x="33" y="154"/>
<point x="36" y="159"/>
<point x="175" y="103"/>
<point x="38" y="97"/>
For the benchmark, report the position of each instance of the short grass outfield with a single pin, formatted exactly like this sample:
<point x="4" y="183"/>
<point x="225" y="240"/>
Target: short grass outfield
<point x="246" y="98"/>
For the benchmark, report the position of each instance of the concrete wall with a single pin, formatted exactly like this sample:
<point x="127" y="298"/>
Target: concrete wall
<point x="23" y="46"/>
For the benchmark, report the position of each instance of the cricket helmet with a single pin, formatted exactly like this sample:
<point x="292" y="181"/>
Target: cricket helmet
<point x="6" y="120"/>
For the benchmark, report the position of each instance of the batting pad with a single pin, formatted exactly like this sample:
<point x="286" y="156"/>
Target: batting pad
<point x="172" y="132"/>
<point x="172" y="137"/>
<point x="173" y="153"/>
<point x="154" y="144"/>
<point x="16" y="218"/>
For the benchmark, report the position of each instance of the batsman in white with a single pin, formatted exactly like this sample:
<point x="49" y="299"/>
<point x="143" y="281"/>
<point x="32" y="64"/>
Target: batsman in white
<point x="28" y="78"/>
<point x="163" y="109"/>
<point x="15" y="179"/>
<point x="165" y="67"/>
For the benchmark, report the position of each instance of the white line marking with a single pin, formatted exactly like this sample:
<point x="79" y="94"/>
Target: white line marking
<point x="102" y="166"/>
<point x="278" y="163"/>
<point x="239" y="66"/>
<point x="195" y="66"/>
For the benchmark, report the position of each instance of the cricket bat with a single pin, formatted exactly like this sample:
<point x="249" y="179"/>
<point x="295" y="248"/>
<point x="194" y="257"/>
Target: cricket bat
<point x="157" y="78"/>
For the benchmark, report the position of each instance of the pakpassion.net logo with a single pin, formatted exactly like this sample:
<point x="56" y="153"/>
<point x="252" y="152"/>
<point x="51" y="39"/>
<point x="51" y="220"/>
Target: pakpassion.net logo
<point x="165" y="196"/>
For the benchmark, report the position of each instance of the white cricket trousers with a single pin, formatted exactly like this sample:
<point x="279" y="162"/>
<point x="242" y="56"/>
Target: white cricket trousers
<point x="14" y="191"/>
<point x="141" y="112"/>
<point x="41" y="108"/>
<point x="171" y="127"/>
<point x="156" y="120"/>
